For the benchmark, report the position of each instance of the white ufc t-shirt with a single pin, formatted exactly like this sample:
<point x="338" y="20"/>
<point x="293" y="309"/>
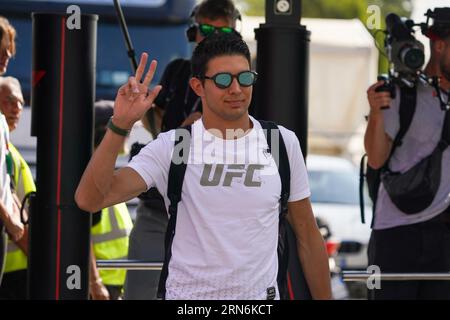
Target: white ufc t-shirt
<point x="226" y="236"/>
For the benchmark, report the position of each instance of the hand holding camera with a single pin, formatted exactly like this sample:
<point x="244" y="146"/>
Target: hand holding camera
<point x="380" y="96"/>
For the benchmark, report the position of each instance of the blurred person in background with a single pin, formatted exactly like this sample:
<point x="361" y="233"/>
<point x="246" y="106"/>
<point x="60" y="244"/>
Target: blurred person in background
<point x="111" y="228"/>
<point x="9" y="212"/>
<point x="14" y="284"/>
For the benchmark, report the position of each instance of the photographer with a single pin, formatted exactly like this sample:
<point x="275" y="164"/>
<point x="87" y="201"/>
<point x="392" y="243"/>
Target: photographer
<point x="405" y="242"/>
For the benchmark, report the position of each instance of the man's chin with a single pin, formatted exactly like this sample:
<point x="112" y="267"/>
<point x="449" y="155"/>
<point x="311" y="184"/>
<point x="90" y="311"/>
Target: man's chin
<point x="234" y="116"/>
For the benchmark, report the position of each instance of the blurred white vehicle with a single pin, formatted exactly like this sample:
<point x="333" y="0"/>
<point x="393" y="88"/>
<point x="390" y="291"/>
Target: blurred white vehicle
<point x="334" y="184"/>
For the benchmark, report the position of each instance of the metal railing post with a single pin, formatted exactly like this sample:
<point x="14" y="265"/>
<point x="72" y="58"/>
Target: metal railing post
<point x="129" y="264"/>
<point x="363" y="276"/>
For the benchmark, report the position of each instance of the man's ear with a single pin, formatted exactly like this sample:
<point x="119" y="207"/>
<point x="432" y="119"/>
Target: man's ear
<point x="197" y="86"/>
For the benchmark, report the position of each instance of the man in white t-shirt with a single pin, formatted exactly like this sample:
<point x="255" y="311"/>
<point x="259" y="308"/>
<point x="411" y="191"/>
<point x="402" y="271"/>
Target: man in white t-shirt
<point x="226" y="233"/>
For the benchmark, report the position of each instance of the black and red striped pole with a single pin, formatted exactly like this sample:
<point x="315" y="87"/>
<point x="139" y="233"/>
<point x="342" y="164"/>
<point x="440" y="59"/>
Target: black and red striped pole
<point x="62" y="100"/>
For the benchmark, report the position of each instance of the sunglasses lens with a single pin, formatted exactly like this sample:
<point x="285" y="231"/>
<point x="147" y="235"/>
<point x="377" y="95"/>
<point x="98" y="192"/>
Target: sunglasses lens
<point x="226" y="30"/>
<point x="206" y="29"/>
<point x="246" y="79"/>
<point x="223" y="80"/>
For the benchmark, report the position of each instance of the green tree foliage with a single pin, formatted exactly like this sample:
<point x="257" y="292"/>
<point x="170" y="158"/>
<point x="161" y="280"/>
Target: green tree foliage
<point x="334" y="9"/>
<point x="341" y="9"/>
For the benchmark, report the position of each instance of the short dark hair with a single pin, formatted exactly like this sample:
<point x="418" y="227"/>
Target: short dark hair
<point x="217" y="45"/>
<point x="216" y="9"/>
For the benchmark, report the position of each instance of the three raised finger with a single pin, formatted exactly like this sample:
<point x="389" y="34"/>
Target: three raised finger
<point x="153" y="94"/>
<point x="133" y="85"/>
<point x="141" y="68"/>
<point x="150" y="73"/>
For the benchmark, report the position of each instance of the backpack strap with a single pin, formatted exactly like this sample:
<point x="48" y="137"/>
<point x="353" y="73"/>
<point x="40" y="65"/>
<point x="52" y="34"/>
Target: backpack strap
<point x="282" y="161"/>
<point x="408" y="99"/>
<point x="280" y="156"/>
<point x="362" y="165"/>
<point x="407" y="108"/>
<point x="445" y="134"/>
<point x="175" y="184"/>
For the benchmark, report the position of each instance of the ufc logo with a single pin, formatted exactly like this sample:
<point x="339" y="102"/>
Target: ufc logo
<point x="229" y="172"/>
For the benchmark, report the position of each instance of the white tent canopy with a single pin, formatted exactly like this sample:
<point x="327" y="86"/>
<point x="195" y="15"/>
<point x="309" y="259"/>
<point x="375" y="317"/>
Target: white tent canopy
<point x="343" y="63"/>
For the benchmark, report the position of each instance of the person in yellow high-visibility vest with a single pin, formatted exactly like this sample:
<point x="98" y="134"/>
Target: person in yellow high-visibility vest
<point x="15" y="273"/>
<point x="110" y="241"/>
<point x="110" y="231"/>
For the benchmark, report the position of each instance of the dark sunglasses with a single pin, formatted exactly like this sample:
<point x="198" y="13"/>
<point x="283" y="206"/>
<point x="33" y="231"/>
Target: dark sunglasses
<point x="206" y="29"/>
<point x="224" y="79"/>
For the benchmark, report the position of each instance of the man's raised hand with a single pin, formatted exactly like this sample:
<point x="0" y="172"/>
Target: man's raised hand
<point x="135" y="98"/>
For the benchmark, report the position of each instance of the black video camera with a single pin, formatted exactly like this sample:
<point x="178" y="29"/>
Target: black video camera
<point x="406" y="54"/>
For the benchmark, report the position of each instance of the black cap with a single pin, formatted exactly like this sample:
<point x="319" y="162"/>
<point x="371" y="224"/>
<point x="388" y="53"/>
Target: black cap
<point x="441" y="23"/>
<point x="104" y="110"/>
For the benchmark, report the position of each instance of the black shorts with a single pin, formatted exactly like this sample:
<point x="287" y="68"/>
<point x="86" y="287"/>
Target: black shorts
<point x="419" y="248"/>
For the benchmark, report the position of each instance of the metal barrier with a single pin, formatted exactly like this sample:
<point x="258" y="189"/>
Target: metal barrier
<point x="129" y="265"/>
<point x="346" y="275"/>
<point x="363" y="276"/>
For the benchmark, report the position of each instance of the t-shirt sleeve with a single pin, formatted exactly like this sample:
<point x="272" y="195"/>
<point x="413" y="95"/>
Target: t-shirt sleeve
<point x="299" y="177"/>
<point x="153" y="161"/>
<point x="392" y="117"/>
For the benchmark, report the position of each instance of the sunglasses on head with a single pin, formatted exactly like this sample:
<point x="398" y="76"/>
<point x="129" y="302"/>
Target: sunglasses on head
<point x="207" y="29"/>
<point x="223" y="80"/>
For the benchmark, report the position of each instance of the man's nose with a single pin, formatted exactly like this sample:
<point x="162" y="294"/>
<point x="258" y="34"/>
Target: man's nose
<point x="235" y="87"/>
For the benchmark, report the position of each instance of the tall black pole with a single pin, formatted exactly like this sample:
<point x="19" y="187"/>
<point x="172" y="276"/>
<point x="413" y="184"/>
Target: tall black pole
<point x="123" y="26"/>
<point x="282" y="92"/>
<point x="62" y="99"/>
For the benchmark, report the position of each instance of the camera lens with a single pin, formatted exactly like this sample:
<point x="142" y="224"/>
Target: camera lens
<point x="413" y="58"/>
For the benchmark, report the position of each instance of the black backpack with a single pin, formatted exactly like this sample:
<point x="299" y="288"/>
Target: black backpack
<point x="407" y="108"/>
<point x="175" y="182"/>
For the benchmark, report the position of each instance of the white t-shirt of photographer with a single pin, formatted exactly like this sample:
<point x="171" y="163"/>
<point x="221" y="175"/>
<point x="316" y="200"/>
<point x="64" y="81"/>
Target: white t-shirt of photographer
<point x="419" y="142"/>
